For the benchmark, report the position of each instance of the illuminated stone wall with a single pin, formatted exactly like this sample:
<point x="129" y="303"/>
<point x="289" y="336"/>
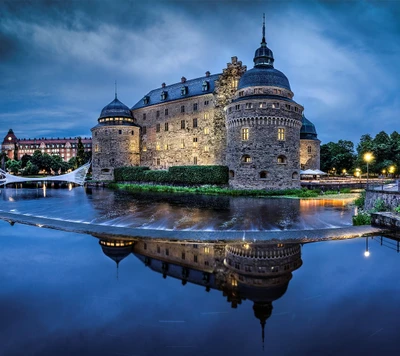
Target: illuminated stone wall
<point x="310" y="154"/>
<point x="114" y="146"/>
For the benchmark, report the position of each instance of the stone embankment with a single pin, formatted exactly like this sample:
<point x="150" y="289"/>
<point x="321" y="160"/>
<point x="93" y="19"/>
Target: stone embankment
<point x="386" y="220"/>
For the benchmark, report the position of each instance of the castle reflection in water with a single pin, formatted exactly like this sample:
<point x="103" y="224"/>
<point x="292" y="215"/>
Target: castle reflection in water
<point x="255" y="271"/>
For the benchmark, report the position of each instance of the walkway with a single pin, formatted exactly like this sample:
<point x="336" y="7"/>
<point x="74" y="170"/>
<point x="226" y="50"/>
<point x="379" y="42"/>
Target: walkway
<point x="298" y="236"/>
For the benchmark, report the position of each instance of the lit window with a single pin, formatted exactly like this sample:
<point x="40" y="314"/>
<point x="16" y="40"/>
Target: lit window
<point x="166" y="147"/>
<point x="245" y="134"/>
<point x="194" y="123"/>
<point x="281" y="134"/>
<point x="158" y="146"/>
<point x="206" y="149"/>
<point x="235" y="82"/>
<point x="206" y="116"/>
<point x="144" y="149"/>
<point x="275" y="105"/>
<point x="194" y="141"/>
<point x="206" y="131"/>
<point x="246" y="159"/>
<point x="166" y="126"/>
<point x="281" y="159"/>
<point x="182" y="143"/>
<point x="97" y="148"/>
<point x="249" y="105"/>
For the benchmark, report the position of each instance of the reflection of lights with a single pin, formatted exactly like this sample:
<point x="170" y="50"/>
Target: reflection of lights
<point x="69" y="186"/>
<point x="44" y="190"/>
<point x="246" y="246"/>
<point x="366" y="253"/>
<point x="39" y="225"/>
<point x="10" y="199"/>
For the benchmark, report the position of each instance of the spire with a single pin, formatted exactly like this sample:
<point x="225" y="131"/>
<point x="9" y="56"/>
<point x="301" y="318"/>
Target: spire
<point x="115" y="89"/>
<point x="263" y="43"/>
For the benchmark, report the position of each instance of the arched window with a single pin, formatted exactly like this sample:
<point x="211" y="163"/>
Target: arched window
<point x="282" y="159"/>
<point x="246" y="159"/>
<point x="231" y="174"/>
<point x="295" y="175"/>
<point x="263" y="175"/>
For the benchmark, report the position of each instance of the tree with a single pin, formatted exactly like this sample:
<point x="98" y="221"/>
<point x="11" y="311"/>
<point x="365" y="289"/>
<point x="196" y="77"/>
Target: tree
<point x="56" y="163"/>
<point x="13" y="166"/>
<point x="338" y="155"/>
<point x="73" y="164"/>
<point x="80" y="155"/>
<point x="25" y="159"/>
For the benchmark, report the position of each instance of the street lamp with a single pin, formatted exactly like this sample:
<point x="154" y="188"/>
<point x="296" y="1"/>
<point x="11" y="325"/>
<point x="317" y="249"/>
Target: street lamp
<point x="392" y="169"/>
<point x="368" y="157"/>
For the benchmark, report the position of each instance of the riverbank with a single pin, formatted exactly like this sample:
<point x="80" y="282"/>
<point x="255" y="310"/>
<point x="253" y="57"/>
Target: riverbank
<point x="213" y="190"/>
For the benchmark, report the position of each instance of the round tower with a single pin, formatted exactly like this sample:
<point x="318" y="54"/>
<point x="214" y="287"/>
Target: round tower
<point x="309" y="146"/>
<point x="263" y="128"/>
<point x="115" y="141"/>
<point x="10" y="144"/>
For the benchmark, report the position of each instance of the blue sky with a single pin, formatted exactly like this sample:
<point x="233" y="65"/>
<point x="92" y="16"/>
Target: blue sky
<point x="59" y="59"/>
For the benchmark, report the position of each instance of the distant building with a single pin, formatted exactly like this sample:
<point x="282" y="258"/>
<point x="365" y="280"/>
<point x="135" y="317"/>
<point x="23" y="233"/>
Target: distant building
<point x="66" y="148"/>
<point x="244" y="119"/>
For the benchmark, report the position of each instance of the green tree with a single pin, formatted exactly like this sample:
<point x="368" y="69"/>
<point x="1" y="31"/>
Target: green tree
<point x="25" y="159"/>
<point x="80" y="155"/>
<point x="338" y="155"/>
<point x="73" y="164"/>
<point x="13" y="166"/>
<point x="46" y="163"/>
<point x="30" y="169"/>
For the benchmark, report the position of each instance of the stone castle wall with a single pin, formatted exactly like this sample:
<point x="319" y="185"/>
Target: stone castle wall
<point x="114" y="146"/>
<point x="309" y="154"/>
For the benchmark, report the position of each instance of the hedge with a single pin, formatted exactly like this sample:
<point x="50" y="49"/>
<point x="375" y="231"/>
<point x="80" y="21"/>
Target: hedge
<point x="188" y="175"/>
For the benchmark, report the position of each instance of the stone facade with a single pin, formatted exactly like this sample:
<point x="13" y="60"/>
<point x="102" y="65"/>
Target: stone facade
<point x="309" y="154"/>
<point x="390" y="198"/>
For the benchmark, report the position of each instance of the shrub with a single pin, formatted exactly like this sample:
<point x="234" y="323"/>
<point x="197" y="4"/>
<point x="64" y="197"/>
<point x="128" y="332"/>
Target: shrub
<point x="379" y="205"/>
<point x="345" y="190"/>
<point x="362" y="218"/>
<point x="308" y="194"/>
<point x="397" y="209"/>
<point x="360" y="201"/>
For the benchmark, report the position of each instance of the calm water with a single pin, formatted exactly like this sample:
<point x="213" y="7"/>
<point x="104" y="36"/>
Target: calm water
<point x="62" y="293"/>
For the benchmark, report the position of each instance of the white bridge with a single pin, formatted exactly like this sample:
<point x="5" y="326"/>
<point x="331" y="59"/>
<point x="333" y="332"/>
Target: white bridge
<point x="77" y="176"/>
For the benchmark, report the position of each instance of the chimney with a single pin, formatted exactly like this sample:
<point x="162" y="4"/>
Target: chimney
<point x="208" y="74"/>
<point x="183" y="80"/>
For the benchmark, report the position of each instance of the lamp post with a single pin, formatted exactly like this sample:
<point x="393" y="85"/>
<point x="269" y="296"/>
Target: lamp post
<point x="368" y="157"/>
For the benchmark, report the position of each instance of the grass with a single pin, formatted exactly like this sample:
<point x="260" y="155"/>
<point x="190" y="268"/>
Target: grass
<point x="214" y="190"/>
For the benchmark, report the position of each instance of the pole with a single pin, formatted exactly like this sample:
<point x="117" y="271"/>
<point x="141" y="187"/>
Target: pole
<point x="367" y="175"/>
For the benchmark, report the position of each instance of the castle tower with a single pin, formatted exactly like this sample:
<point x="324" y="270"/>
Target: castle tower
<point x="309" y="146"/>
<point x="263" y="128"/>
<point x="10" y="144"/>
<point x="115" y="141"/>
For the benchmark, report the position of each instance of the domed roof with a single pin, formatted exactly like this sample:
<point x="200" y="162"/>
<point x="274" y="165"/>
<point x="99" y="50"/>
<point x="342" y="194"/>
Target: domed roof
<point x="264" y="76"/>
<point x="115" y="109"/>
<point x="308" y="130"/>
<point x="264" y="73"/>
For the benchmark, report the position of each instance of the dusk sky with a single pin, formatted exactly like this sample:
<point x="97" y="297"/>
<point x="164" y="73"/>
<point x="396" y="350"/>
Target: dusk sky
<point x="59" y="59"/>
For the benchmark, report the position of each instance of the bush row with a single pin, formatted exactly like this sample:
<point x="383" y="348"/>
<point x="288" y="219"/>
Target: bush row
<point x="188" y="175"/>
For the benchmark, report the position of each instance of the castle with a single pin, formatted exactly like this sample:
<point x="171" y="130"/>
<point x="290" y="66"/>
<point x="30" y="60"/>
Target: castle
<point x="244" y="119"/>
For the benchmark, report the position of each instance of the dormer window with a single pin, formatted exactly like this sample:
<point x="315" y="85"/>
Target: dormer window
<point x="205" y="86"/>
<point x="164" y="95"/>
<point x="146" y="100"/>
<point x="184" y="90"/>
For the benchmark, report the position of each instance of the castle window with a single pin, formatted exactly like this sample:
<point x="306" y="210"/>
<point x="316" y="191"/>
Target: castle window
<point x="183" y="255"/>
<point x="309" y="150"/>
<point x="145" y="246"/>
<point x="231" y="174"/>
<point x="144" y="116"/>
<point x="205" y="86"/>
<point x="164" y="95"/>
<point x="206" y="116"/>
<point x="281" y="134"/>
<point x="262" y="105"/>
<point x="282" y="159"/>
<point x="246" y="159"/>
<point x="194" y="123"/>
<point x="158" y="164"/>
<point x="182" y="143"/>
<point x="275" y="105"/>
<point x="166" y="126"/>
<point x="206" y="131"/>
<point x="230" y="110"/>
<point x="183" y="108"/>
<point x="287" y="106"/>
<point x="158" y="128"/>
<point x="295" y="175"/>
<point x="120" y="132"/>
<point x="206" y="263"/>
<point x="195" y="258"/>
<point x="167" y="252"/>
<point x="235" y="82"/>
<point x="166" y="112"/>
<point x="96" y="148"/>
<point x="158" y="113"/>
<point x="144" y="149"/>
<point x="245" y="134"/>
<point x="184" y="90"/>
<point x="241" y="93"/>
<point x="158" y="147"/>
<point x="249" y="105"/>
<point x="146" y="100"/>
<point x="237" y="107"/>
<point x="183" y="124"/>
<point x="94" y="134"/>
<point x="158" y="249"/>
<point x="194" y="141"/>
<point x="275" y="91"/>
<point x="258" y="91"/>
<point x="206" y="103"/>
<point x="195" y="107"/>
<point x="144" y="130"/>
<point x="194" y="160"/>
<point x="132" y="132"/>
<point x="166" y="147"/>
<point x="263" y="175"/>
<point x="296" y="109"/>
<point x="206" y="149"/>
